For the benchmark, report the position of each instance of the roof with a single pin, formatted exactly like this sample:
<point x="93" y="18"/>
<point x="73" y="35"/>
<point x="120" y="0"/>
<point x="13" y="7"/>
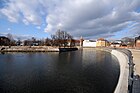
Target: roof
<point x="102" y="39"/>
<point x="89" y="40"/>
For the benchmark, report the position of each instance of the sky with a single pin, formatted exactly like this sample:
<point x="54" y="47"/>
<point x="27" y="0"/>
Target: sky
<point x="91" y="19"/>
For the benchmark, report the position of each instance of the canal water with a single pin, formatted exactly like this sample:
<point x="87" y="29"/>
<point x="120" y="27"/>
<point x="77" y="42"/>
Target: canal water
<point x="82" y="71"/>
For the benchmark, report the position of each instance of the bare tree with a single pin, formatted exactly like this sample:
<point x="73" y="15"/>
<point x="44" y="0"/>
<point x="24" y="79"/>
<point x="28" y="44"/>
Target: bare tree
<point x="10" y="36"/>
<point x="61" y="38"/>
<point x="128" y="41"/>
<point x="19" y="41"/>
<point x="48" y="42"/>
<point x="12" y="41"/>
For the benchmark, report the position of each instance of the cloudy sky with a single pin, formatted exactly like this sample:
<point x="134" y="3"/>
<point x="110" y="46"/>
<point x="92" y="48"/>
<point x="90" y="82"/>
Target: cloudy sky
<point x="87" y="18"/>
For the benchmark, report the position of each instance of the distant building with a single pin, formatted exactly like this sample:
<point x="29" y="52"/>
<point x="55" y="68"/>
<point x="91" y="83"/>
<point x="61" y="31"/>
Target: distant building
<point x="116" y="43"/>
<point x="101" y="42"/>
<point x="72" y="42"/>
<point x="4" y="41"/>
<point x="81" y="41"/>
<point x="77" y="42"/>
<point x="137" y="42"/>
<point x="89" y="43"/>
<point x="128" y="42"/>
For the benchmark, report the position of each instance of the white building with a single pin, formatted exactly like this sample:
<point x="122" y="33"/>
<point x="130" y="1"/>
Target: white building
<point x="116" y="43"/>
<point x="89" y="43"/>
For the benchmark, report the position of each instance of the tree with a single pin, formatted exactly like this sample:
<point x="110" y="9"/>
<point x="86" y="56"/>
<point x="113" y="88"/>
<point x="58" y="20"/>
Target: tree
<point x="19" y="42"/>
<point x="61" y="38"/>
<point x="128" y="41"/>
<point x="33" y="39"/>
<point x="10" y="36"/>
<point x="12" y="41"/>
<point x="48" y="42"/>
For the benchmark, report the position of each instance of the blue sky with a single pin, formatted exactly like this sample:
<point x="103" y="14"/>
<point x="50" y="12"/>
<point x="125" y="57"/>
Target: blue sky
<point x="20" y="29"/>
<point x="91" y="19"/>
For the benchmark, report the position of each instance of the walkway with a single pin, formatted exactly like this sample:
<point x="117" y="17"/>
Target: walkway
<point x="136" y="59"/>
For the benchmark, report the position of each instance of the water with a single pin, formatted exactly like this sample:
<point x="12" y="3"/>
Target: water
<point x="87" y="71"/>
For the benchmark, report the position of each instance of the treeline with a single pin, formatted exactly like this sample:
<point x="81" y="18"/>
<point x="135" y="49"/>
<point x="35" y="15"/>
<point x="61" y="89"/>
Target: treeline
<point x="60" y="38"/>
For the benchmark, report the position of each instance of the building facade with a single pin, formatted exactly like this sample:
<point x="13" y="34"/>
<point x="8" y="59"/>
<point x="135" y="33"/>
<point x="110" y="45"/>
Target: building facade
<point x="137" y="42"/>
<point x="101" y="42"/>
<point x="89" y="43"/>
<point x="116" y="43"/>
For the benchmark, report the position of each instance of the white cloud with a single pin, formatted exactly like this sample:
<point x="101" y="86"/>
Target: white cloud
<point x="23" y="10"/>
<point x="25" y="22"/>
<point x="16" y="37"/>
<point x="11" y="12"/>
<point x="93" y="17"/>
<point x="8" y="29"/>
<point x="87" y="18"/>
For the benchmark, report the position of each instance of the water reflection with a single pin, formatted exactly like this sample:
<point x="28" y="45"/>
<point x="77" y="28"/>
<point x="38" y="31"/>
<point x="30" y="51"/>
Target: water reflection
<point x="87" y="71"/>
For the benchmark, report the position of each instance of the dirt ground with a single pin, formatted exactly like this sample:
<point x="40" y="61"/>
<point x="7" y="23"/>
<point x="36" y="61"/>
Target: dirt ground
<point x="136" y="60"/>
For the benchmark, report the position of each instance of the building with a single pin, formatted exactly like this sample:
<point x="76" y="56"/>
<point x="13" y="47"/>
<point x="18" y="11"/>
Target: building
<point x="4" y="41"/>
<point x="89" y="43"/>
<point x="72" y="42"/>
<point x="81" y="41"/>
<point x="101" y="42"/>
<point x="137" y="42"/>
<point x="116" y="43"/>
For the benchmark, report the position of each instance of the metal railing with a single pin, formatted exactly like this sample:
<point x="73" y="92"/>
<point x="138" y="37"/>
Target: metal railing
<point x="131" y="74"/>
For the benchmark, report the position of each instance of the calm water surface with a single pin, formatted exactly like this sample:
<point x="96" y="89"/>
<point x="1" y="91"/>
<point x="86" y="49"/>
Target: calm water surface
<point x="87" y="71"/>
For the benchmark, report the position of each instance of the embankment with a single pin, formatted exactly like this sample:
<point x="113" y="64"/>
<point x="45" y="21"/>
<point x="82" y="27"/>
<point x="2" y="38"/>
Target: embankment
<point x="35" y="49"/>
<point x="123" y="58"/>
<point x="29" y="49"/>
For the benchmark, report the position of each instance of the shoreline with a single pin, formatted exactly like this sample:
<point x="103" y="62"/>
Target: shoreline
<point x="29" y="49"/>
<point x="36" y="49"/>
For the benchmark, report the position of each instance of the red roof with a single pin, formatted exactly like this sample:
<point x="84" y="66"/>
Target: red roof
<point x="102" y="39"/>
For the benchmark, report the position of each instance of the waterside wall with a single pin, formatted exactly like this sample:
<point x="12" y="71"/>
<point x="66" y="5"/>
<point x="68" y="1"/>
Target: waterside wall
<point x="29" y="49"/>
<point x="35" y="49"/>
<point x="122" y="86"/>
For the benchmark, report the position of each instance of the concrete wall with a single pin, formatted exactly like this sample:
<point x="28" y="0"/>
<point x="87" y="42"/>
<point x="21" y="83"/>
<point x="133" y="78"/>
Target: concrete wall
<point x="122" y="86"/>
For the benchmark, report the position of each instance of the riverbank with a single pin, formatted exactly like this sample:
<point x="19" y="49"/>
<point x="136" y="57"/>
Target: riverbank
<point x="36" y="49"/>
<point x="28" y="49"/>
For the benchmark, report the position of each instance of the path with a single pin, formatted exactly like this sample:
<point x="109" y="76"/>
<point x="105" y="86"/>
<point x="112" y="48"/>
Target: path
<point x="136" y="60"/>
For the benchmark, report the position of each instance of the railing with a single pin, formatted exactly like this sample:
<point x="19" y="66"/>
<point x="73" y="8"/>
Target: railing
<point x="131" y="69"/>
<point x="131" y="74"/>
